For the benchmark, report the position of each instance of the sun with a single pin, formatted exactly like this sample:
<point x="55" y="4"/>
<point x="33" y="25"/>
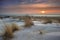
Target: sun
<point x="42" y="12"/>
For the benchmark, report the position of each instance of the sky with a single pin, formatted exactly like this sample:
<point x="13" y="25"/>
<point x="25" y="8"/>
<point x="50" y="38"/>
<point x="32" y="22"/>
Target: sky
<point x="29" y="6"/>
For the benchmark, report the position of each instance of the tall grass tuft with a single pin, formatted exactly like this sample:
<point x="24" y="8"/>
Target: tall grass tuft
<point x="8" y="33"/>
<point x="10" y="29"/>
<point x="47" y="21"/>
<point x="28" y="23"/>
<point x="15" y="27"/>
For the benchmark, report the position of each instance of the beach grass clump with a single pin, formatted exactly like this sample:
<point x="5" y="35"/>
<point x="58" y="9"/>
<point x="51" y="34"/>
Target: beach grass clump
<point x="28" y="24"/>
<point x="10" y="29"/>
<point x="8" y="32"/>
<point x="56" y="20"/>
<point x="15" y="27"/>
<point x="47" y="21"/>
<point x="28" y="21"/>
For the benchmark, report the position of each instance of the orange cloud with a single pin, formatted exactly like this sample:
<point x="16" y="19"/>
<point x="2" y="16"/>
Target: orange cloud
<point x="32" y="9"/>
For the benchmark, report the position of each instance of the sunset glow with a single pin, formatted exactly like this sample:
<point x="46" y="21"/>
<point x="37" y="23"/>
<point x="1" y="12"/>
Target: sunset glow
<point x="42" y="12"/>
<point x="30" y="7"/>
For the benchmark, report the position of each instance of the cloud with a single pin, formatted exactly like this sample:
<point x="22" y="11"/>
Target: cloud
<point x="53" y="2"/>
<point x="30" y="6"/>
<point x="30" y="9"/>
<point x="23" y="2"/>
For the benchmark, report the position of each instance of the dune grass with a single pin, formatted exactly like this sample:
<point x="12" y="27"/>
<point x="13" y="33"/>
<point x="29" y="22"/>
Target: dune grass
<point x="15" y="27"/>
<point x="45" y="21"/>
<point x="28" y="23"/>
<point x="10" y="29"/>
